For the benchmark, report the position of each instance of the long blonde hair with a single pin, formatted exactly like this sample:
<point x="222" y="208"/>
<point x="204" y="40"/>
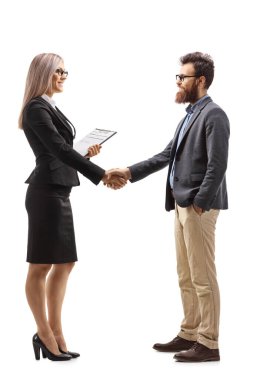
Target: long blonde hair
<point x="39" y="78"/>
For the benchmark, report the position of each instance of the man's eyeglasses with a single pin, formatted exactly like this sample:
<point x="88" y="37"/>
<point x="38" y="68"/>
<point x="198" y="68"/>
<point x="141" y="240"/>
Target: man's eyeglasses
<point x="182" y="77"/>
<point x="61" y="72"/>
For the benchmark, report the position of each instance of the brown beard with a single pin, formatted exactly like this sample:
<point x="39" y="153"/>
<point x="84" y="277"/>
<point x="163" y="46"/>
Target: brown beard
<point x="187" y="96"/>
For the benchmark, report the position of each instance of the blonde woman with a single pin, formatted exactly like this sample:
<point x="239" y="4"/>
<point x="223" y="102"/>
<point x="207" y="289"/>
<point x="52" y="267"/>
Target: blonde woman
<point x="51" y="251"/>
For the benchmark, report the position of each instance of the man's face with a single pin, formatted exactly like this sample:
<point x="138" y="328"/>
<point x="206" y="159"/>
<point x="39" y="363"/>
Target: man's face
<point x="188" y="85"/>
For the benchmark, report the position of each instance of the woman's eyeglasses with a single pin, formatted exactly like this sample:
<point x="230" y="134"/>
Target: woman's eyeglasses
<point x="61" y="72"/>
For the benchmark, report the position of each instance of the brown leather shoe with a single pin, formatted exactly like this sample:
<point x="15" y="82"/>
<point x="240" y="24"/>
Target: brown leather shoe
<point x="198" y="353"/>
<point x="176" y="345"/>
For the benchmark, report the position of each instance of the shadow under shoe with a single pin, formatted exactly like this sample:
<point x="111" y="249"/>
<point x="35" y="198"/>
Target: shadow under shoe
<point x="198" y="353"/>
<point x="176" y="345"/>
<point x="38" y="346"/>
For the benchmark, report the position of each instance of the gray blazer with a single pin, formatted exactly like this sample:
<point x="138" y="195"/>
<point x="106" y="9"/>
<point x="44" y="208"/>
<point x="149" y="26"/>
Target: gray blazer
<point x="200" y="161"/>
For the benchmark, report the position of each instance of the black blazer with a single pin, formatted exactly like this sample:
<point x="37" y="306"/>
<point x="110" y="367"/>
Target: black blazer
<point x="51" y="139"/>
<point x="201" y="160"/>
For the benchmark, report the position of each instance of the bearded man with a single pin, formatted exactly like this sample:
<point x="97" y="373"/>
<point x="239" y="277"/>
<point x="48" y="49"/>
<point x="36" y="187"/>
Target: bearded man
<point x="196" y="188"/>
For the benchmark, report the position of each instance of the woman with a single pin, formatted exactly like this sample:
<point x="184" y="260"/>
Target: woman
<point x="51" y="249"/>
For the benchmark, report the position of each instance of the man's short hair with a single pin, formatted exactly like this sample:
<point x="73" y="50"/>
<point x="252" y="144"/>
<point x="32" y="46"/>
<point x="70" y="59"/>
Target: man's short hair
<point x="203" y="65"/>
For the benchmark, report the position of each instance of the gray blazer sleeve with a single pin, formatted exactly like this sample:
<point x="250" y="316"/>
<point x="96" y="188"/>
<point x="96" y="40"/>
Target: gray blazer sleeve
<point x="217" y="138"/>
<point x="151" y="165"/>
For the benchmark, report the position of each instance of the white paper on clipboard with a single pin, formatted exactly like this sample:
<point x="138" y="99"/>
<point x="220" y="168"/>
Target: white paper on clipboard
<point x="97" y="136"/>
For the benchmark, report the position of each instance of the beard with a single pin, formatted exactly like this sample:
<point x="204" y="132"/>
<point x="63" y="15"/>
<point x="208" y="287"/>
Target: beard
<point x="187" y="96"/>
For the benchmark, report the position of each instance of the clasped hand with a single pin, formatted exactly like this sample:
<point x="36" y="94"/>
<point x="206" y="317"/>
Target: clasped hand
<point x="116" y="178"/>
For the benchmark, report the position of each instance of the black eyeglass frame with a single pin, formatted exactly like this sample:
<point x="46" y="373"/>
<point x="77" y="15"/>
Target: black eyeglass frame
<point x="182" y="77"/>
<point x="61" y="72"/>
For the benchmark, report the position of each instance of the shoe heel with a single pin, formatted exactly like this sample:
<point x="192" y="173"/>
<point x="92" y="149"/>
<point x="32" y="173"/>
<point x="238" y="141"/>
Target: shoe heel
<point x="39" y="345"/>
<point x="36" y="348"/>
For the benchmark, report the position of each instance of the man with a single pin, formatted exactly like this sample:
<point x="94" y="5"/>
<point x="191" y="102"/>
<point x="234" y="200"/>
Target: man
<point x="196" y="189"/>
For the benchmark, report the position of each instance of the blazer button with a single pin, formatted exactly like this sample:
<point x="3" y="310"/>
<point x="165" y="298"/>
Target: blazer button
<point x="176" y="179"/>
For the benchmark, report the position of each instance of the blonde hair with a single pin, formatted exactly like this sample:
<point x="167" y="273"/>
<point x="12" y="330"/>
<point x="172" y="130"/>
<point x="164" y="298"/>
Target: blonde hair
<point x="39" y="78"/>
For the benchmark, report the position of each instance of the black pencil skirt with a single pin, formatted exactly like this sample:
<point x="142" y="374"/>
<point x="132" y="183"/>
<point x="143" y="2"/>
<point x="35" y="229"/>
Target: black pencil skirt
<point x="51" y="235"/>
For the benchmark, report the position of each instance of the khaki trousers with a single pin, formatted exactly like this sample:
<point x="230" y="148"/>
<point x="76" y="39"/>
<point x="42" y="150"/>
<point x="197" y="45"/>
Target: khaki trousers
<point x="195" y="246"/>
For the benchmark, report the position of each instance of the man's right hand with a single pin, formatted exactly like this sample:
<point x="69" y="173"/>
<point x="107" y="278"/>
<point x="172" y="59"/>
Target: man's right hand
<point x="121" y="172"/>
<point x="116" y="178"/>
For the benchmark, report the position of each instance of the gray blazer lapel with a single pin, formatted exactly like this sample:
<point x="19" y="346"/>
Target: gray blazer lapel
<point x="192" y="120"/>
<point x="177" y="133"/>
<point x="195" y="116"/>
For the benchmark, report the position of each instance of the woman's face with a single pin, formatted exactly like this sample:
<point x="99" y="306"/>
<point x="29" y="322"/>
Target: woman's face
<point x="58" y="79"/>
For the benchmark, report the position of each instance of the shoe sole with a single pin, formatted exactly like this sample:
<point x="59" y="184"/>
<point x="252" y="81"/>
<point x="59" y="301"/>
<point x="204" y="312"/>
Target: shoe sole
<point x="198" y="361"/>
<point x="171" y="352"/>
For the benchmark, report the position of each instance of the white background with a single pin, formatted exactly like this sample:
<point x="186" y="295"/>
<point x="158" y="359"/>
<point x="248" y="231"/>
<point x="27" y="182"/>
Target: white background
<point x="123" y="296"/>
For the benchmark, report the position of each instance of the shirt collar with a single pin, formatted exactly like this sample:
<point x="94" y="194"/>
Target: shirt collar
<point x="191" y="108"/>
<point x="49" y="100"/>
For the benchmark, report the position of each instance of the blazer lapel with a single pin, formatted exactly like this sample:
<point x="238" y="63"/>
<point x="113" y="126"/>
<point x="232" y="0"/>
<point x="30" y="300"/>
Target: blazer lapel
<point x="174" y="145"/>
<point x="66" y="122"/>
<point x="59" y="115"/>
<point x="194" y="117"/>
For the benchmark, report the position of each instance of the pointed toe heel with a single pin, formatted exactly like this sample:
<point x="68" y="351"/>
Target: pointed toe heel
<point x="39" y="345"/>
<point x="74" y="355"/>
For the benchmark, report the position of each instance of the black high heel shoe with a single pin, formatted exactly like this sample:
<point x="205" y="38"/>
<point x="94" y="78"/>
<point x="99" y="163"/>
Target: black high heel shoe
<point x="74" y="355"/>
<point x="39" y="345"/>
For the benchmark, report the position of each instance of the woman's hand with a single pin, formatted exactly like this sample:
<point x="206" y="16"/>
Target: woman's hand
<point x="93" y="150"/>
<point x="114" y="181"/>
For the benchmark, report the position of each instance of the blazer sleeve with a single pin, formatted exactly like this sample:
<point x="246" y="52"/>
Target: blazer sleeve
<point x="217" y="143"/>
<point x="151" y="165"/>
<point x="39" y="120"/>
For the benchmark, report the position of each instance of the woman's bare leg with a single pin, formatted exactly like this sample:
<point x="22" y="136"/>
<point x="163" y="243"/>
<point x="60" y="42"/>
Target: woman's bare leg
<point x="36" y="297"/>
<point x="55" y="291"/>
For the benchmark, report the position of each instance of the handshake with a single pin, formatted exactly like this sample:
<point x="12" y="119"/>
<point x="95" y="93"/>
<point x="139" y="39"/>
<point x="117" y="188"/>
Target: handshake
<point x="116" y="178"/>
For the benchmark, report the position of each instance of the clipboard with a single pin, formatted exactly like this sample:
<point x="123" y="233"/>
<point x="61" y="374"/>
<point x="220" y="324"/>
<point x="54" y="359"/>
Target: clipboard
<point x="97" y="136"/>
